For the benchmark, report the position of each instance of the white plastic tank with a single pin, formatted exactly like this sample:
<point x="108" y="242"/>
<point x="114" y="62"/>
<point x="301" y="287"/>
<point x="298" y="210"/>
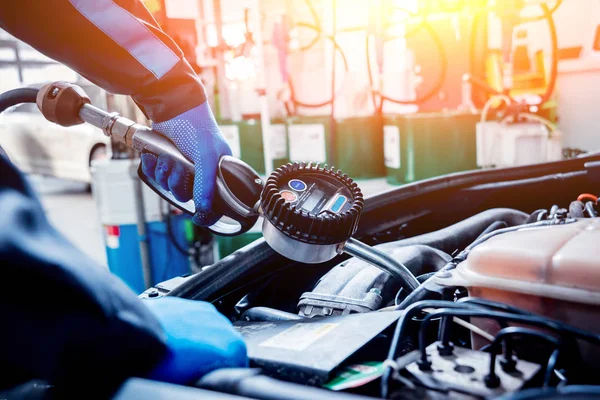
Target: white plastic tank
<point x="510" y="145"/>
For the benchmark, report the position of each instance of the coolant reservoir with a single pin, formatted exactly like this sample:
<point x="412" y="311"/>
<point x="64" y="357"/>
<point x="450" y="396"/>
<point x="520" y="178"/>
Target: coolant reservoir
<point x="552" y="270"/>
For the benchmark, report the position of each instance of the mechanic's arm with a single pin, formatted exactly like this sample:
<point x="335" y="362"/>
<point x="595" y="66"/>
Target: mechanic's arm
<point x="118" y="45"/>
<point x="70" y="322"/>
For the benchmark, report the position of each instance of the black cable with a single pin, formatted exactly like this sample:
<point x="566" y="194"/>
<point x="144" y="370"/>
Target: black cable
<point x="493" y="227"/>
<point x="408" y="314"/>
<point x="17" y="96"/>
<point x="299" y="103"/>
<point x="470" y="309"/>
<point x="439" y="83"/>
<point x="533" y="320"/>
<point x="590" y="210"/>
<point x="497" y="232"/>
<point x="550" y="367"/>
<point x="173" y="239"/>
<point x="495" y="305"/>
<point x="492" y="379"/>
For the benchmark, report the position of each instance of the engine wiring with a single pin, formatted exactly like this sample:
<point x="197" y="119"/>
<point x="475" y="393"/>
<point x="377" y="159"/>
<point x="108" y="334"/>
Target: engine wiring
<point x="587" y="197"/>
<point x="474" y="307"/>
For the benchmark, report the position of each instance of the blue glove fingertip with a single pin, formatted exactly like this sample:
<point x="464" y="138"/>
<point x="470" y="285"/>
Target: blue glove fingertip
<point x="149" y="164"/>
<point x="180" y="183"/>
<point x="164" y="166"/>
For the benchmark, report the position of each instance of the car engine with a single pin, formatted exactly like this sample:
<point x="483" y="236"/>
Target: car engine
<point x="506" y="305"/>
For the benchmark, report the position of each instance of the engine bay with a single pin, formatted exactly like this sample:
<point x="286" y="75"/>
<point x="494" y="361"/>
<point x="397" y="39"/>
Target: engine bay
<point x="507" y="300"/>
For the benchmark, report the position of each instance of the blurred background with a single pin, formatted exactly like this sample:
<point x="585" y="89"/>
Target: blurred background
<point x="389" y="91"/>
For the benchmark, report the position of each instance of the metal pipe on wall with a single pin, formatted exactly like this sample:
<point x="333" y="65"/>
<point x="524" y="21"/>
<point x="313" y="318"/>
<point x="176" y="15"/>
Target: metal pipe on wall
<point x="222" y="105"/>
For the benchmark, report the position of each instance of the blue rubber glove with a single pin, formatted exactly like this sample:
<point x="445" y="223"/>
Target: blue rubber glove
<point x="199" y="340"/>
<point x="197" y="136"/>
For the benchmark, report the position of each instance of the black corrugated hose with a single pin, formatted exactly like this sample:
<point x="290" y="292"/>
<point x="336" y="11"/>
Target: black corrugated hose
<point x="17" y="96"/>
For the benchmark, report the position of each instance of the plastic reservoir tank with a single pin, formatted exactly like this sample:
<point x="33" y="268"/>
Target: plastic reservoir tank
<point x="552" y="271"/>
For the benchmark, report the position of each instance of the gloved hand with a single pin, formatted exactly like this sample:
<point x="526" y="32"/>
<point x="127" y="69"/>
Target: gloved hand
<point x="197" y="136"/>
<point x="199" y="340"/>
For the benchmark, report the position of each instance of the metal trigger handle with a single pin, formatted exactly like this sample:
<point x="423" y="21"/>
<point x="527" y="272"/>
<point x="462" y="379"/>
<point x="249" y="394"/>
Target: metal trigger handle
<point x="238" y="186"/>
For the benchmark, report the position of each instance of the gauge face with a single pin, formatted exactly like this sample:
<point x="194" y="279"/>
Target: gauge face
<point x="317" y="193"/>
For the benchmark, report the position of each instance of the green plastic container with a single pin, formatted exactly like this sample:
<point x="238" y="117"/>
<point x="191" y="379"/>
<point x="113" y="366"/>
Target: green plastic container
<point x="228" y="245"/>
<point x="359" y="147"/>
<point x="358" y="144"/>
<point x="428" y="145"/>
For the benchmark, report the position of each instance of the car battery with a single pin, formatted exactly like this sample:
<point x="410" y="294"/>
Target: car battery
<point x="424" y="145"/>
<point x="358" y="143"/>
<point x="113" y="189"/>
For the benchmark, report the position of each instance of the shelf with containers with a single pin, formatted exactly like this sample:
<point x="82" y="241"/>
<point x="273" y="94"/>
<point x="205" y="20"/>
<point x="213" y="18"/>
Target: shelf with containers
<point x="424" y="145"/>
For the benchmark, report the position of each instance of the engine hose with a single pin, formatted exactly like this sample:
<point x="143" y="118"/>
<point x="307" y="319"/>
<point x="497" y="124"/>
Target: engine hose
<point x="537" y="215"/>
<point x="433" y="91"/>
<point x="460" y="235"/>
<point x="576" y="209"/>
<point x="493" y="226"/>
<point x="17" y="96"/>
<point x="269" y="314"/>
<point x="590" y="210"/>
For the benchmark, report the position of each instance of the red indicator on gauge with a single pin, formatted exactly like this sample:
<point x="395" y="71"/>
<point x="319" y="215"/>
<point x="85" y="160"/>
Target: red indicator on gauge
<point x="288" y="196"/>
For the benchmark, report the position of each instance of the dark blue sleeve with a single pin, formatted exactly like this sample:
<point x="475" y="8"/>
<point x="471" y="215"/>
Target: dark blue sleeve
<point x="116" y="44"/>
<point x="65" y="319"/>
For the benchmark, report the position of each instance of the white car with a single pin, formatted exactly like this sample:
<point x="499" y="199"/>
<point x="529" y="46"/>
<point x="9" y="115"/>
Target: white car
<point x="38" y="146"/>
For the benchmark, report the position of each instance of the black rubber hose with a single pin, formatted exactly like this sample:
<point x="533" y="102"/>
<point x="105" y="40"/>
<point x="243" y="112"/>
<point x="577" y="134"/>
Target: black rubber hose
<point x="339" y="50"/>
<point x="492" y="379"/>
<point x="17" y="96"/>
<point x="253" y="262"/>
<point x="460" y="235"/>
<point x="258" y="259"/>
<point x="249" y="383"/>
<point x="353" y="278"/>
<point x="269" y="314"/>
<point x="493" y="227"/>
<point x="439" y="83"/>
<point x="421" y="259"/>
<point x="537" y="215"/>
<point x="590" y="209"/>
